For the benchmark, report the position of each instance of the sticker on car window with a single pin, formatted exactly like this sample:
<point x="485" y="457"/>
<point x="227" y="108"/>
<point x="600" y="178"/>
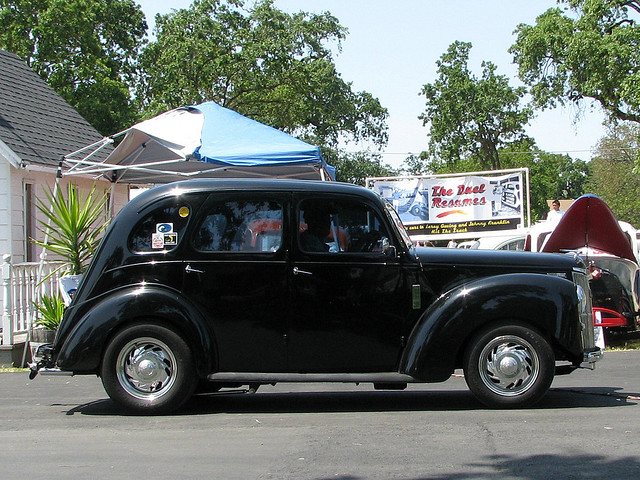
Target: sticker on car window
<point x="164" y="236"/>
<point x="164" y="228"/>
<point x="157" y="240"/>
<point x="171" y="238"/>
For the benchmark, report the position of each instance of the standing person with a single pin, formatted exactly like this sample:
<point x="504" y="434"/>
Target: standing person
<point x="555" y="213"/>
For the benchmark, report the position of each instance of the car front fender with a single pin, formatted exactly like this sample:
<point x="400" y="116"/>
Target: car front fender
<point x="545" y="302"/>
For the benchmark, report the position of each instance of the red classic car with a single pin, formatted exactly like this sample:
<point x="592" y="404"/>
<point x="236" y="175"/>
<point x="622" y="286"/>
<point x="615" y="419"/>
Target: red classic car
<point x="590" y="229"/>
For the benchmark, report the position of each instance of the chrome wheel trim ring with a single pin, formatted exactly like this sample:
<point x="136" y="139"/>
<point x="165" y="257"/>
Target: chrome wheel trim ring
<point x="509" y="365"/>
<point x="146" y="368"/>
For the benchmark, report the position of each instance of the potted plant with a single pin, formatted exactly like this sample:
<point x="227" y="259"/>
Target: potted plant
<point x="73" y="226"/>
<point x="50" y="310"/>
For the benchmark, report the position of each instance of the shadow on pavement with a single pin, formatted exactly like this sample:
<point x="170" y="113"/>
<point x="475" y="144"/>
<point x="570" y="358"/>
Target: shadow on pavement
<point x="536" y="467"/>
<point x="370" y="401"/>
<point x="612" y="392"/>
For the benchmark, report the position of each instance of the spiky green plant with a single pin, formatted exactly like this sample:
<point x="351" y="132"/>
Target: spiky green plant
<point x="50" y="310"/>
<point x="74" y="223"/>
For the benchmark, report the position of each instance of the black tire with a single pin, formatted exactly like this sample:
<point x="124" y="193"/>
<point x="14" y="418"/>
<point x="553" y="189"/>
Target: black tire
<point x="148" y="369"/>
<point x="509" y="366"/>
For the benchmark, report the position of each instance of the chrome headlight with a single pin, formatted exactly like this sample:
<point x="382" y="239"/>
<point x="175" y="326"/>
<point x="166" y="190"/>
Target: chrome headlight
<point x="582" y="297"/>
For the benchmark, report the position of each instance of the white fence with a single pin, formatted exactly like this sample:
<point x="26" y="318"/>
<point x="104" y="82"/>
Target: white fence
<point x="23" y="286"/>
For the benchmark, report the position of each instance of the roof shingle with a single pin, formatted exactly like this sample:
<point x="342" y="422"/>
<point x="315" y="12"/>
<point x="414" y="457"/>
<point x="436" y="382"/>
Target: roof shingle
<point x="35" y="122"/>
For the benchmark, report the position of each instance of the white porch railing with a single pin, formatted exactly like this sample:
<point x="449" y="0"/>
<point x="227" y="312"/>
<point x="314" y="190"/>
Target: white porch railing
<point x="23" y="287"/>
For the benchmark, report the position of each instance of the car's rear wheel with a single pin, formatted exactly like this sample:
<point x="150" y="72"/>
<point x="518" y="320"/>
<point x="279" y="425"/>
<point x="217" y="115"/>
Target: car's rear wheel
<point x="509" y="366"/>
<point x="148" y="369"/>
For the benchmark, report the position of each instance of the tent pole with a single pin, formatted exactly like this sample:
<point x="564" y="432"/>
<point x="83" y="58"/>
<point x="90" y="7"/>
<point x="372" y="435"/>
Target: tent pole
<point x="111" y="199"/>
<point x="43" y="255"/>
<point x="104" y="141"/>
<point x="85" y="160"/>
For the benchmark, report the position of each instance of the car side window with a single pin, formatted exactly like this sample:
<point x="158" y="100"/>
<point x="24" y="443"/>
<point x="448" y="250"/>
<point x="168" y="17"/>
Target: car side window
<point x="517" y="244"/>
<point x="240" y="226"/>
<point x="162" y="228"/>
<point x="335" y="226"/>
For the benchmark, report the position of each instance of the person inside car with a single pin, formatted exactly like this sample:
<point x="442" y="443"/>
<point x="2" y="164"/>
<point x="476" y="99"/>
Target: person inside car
<point x="318" y="228"/>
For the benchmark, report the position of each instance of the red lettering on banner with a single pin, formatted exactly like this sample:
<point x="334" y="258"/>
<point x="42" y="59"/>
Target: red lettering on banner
<point x="458" y="202"/>
<point x="463" y="190"/>
<point x="440" y="191"/>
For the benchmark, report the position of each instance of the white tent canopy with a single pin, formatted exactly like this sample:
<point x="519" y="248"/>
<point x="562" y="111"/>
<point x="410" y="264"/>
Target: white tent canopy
<point x="205" y="140"/>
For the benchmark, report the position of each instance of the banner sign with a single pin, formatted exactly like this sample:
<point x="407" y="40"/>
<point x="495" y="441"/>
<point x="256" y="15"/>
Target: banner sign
<point x="455" y="205"/>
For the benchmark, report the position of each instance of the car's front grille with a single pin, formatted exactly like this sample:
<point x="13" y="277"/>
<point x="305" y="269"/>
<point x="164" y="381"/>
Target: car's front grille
<point x="585" y="308"/>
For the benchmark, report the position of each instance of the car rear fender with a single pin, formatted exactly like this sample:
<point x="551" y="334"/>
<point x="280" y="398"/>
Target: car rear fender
<point x="547" y="303"/>
<point x="81" y="350"/>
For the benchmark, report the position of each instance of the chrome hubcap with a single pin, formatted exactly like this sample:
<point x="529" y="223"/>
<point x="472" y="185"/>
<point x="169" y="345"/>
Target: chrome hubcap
<point x="146" y="368"/>
<point x="509" y="365"/>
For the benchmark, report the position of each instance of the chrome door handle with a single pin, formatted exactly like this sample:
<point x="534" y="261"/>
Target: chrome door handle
<point x="188" y="269"/>
<point x="297" y="271"/>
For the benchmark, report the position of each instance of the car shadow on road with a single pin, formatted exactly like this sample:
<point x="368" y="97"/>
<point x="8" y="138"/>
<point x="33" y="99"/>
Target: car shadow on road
<point x="534" y="467"/>
<point x="550" y="466"/>
<point x="368" y="401"/>
<point x="617" y="394"/>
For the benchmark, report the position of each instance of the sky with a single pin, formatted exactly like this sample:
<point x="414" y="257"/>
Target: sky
<point x="391" y="51"/>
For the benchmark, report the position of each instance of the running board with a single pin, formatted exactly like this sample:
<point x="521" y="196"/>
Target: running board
<point x="55" y="372"/>
<point x="244" y="377"/>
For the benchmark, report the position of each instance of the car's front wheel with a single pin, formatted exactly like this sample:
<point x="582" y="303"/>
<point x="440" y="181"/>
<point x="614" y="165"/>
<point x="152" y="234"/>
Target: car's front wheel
<point x="148" y="369"/>
<point x="509" y="366"/>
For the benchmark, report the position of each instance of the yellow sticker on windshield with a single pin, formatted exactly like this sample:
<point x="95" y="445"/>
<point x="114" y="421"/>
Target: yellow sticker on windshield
<point x="183" y="212"/>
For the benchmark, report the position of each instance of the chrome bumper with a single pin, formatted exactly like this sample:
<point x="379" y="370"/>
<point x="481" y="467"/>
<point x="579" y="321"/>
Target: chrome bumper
<point x="43" y="363"/>
<point x="590" y="358"/>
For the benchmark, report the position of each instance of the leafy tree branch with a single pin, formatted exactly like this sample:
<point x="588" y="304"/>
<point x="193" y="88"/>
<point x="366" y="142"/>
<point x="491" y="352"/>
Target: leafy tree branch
<point x="588" y="50"/>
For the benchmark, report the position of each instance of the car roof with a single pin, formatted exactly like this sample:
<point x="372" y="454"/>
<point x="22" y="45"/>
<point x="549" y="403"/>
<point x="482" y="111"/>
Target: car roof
<point x="271" y="185"/>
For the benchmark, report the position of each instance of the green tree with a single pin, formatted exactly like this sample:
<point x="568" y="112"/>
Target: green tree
<point x="268" y="65"/>
<point x="588" y="53"/>
<point x="472" y="118"/>
<point x="613" y="178"/>
<point x="357" y="167"/>
<point x="550" y="175"/>
<point x="426" y="164"/>
<point x="85" y="50"/>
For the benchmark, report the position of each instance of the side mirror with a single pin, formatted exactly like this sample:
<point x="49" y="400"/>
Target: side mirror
<point x="388" y="249"/>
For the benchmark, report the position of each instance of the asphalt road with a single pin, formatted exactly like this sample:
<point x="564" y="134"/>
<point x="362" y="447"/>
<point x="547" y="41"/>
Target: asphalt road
<point x="587" y="427"/>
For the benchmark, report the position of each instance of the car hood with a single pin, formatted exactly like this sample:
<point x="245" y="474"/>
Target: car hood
<point x="590" y="223"/>
<point x="499" y="259"/>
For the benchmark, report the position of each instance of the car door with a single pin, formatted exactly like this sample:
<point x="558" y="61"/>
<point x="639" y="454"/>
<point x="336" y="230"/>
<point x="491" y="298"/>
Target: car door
<point x="349" y="296"/>
<point x="237" y="275"/>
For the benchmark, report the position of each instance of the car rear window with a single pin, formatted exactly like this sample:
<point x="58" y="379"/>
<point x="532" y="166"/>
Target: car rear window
<point x="161" y="229"/>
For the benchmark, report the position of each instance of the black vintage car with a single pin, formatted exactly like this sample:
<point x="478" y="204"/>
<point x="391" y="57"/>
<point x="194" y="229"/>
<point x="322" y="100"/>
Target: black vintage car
<point x="232" y="282"/>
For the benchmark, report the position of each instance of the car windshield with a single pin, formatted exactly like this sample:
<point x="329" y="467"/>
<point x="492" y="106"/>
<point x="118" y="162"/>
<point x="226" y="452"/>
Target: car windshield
<point x="398" y="223"/>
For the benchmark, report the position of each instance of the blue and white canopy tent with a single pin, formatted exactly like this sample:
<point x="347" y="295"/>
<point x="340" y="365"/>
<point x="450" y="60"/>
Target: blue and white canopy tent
<point x="200" y="141"/>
